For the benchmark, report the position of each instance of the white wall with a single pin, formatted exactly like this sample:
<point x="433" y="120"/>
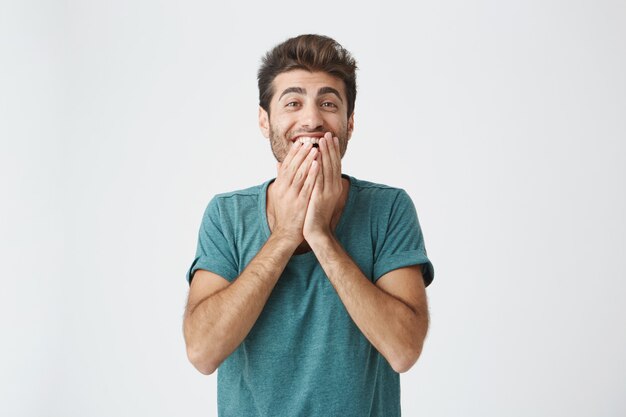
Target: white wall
<point x="505" y="121"/>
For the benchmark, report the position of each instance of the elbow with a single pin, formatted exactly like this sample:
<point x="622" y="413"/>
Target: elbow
<point x="407" y="356"/>
<point x="201" y="361"/>
<point x="200" y="354"/>
<point x="205" y="369"/>
<point x="402" y="366"/>
<point x="403" y="362"/>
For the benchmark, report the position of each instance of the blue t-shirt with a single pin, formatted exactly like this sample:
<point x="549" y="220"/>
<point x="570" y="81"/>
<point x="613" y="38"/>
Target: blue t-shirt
<point x="304" y="356"/>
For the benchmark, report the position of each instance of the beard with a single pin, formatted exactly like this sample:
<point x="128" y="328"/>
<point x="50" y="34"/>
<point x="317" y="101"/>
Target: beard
<point x="281" y="144"/>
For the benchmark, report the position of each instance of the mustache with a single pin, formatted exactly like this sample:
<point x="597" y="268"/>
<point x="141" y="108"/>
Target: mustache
<point x="303" y="132"/>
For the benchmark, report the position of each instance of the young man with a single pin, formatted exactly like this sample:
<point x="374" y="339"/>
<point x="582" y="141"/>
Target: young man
<point x="308" y="291"/>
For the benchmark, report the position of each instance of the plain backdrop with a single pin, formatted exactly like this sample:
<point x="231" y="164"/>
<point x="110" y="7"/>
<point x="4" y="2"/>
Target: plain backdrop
<point x="505" y="121"/>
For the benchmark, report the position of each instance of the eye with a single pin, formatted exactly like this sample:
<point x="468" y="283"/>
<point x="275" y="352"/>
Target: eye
<point x="291" y="104"/>
<point x="329" y="104"/>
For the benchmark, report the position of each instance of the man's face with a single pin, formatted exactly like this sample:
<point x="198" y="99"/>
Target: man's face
<point x="306" y="104"/>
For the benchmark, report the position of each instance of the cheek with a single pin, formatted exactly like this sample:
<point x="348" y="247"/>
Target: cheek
<point x="342" y="127"/>
<point x="281" y="127"/>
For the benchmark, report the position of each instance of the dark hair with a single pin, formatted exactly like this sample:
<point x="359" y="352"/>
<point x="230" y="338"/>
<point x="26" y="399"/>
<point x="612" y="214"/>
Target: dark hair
<point x="311" y="53"/>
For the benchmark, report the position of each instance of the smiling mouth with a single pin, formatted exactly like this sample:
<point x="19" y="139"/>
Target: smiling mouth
<point x="309" y="139"/>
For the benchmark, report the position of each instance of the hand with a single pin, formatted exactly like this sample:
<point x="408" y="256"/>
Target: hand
<point x="291" y="191"/>
<point x="326" y="191"/>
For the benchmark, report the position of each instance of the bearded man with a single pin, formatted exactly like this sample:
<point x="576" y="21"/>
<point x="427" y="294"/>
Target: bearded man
<point x="307" y="291"/>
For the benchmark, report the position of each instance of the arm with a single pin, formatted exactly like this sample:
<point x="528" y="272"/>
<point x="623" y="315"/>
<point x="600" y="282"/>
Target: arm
<point x="219" y="315"/>
<point x="216" y="322"/>
<point x="393" y="314"/>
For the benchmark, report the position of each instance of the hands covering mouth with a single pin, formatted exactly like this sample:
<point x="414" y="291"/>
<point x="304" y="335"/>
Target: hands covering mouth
<point x="308" y="188"/>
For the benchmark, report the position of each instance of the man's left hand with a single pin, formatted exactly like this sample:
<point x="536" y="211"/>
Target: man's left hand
<point x="326" y="191"/>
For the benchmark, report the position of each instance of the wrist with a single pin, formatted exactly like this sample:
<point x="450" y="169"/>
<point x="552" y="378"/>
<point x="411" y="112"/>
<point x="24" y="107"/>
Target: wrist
<point x="319" y="238"/>
<point x="290" y="240"/>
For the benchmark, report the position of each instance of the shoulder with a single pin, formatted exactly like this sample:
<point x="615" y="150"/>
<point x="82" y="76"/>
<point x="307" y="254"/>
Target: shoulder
<point x="245" y="194"/>
<point x="232" y="202"/>
<point x="380" y="195"/>
<point x="374" y="188"/>
<point x="253" y="192"/>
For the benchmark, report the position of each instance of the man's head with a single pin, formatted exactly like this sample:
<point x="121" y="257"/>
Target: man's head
<point x="313" y="53"/>
<point x="307" y="86"/>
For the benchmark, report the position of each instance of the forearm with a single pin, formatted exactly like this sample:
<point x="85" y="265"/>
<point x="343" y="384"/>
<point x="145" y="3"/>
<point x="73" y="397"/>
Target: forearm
<point x="217" y="325"/>
<point x="391" y="326"/>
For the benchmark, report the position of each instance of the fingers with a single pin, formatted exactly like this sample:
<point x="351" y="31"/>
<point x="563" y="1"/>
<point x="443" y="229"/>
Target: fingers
<point x="311" y="179"/>
<point x="303" y="169"/>
<point x="292" y="152"/>
<point x="325" y="160"/>
<point x="319" y="180"/>
<point x="291" y="168"/>
<point x="330" y="159"/>
<point x="333" y="143"/>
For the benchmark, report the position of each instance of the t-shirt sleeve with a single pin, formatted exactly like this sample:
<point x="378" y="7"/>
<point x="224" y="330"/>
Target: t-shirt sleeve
<point x="403" y="243"/>
<point x="215" y="246"/>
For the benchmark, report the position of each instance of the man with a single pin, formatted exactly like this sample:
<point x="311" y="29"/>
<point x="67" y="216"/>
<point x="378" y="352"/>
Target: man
<point x="308" y="291"/>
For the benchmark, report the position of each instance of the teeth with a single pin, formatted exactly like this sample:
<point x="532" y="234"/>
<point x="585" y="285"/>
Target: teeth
<point x="308" y="139"/>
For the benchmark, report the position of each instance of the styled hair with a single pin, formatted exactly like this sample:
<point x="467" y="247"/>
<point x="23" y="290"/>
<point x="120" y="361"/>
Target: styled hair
<point x="311" y="53"/>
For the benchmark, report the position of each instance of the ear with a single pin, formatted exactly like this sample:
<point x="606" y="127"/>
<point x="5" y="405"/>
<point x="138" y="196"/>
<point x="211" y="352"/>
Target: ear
<point x="264" y="122"/>
<point x="350" y="125"/>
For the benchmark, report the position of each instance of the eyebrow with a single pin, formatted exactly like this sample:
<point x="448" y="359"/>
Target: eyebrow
<point x="321" y="92"/>
<point x="329" y="90"/>
<point x="297" y="90"/>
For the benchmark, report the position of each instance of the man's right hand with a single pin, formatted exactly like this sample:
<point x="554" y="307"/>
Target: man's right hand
<point x="291" y="191"/>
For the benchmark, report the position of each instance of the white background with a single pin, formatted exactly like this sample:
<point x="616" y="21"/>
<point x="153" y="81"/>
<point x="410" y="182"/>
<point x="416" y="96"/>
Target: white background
<point x="504" y="121"/>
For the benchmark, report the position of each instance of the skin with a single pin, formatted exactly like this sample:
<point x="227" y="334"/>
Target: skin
<point x="307" y="104"/>
<point x="304" y="204"/>
<point x="315" y="109"/>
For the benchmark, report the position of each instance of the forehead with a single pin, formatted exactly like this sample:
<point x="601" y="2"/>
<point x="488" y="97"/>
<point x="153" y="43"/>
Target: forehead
<point x="309" y="81"/>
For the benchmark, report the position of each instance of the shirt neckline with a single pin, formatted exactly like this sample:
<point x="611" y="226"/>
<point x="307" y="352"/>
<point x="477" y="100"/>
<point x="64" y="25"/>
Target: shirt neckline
<point x="310" y="255"/>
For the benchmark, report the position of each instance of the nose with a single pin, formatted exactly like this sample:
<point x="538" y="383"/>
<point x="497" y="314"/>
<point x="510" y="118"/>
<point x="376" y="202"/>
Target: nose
<point x="311" y="117"/>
